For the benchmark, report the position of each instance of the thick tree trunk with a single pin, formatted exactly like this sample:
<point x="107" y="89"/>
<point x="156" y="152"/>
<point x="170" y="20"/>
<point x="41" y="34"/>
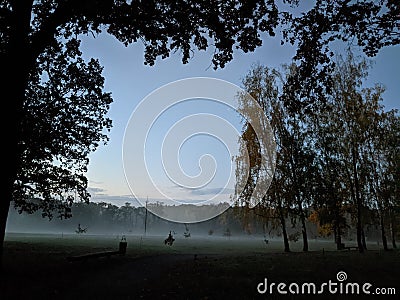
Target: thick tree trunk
<point x="383" y="233"/>
<point x="339" y="245"/>
<point x="364" y="242"/>
<point x="359" y="233"/>
<point x="284" y="232"/>
<point x="16" y="62"/>
<point x="304" y="233"/>
<point x="4" y="208"/>
<point x="357" y="198"/>
<point x="393" y="230"/>
<point x="335" y="233"/>
<point x="394" y="240"/>
<point x="16" y="91"/>
<point x="9" y="170"/>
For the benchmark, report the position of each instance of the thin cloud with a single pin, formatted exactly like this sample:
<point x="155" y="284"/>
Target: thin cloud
<point x="96" y="191"/>
<point x="212" y="191"/>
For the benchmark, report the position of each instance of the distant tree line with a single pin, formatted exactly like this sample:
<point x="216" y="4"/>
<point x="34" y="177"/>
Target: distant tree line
<point x="108" y="218"/>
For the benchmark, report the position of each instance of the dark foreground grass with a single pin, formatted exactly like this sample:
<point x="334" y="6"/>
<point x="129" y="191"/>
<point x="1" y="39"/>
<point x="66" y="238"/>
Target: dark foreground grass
<point x="35" y="267"/>
<point x="237" y="276"/>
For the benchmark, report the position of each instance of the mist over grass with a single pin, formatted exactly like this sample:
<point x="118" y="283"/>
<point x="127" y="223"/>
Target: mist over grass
<point x="105" y="219"/>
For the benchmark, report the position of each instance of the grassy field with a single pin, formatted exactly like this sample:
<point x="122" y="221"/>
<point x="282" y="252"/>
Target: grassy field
<point x="208" y="267"/>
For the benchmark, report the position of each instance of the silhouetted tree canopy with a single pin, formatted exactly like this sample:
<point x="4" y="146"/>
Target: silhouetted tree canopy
<point x="367" y="25"/>
<point x="58" y="99"/>
<point x="163" y="26"/>
<point x="55" y="101"/>
<point x="64" y="120"/>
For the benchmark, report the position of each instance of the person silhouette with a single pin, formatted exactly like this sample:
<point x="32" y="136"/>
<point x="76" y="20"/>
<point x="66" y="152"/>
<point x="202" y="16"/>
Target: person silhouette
<point x="170" y="239"/>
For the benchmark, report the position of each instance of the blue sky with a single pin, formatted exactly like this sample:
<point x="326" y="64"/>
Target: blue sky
<point x="130" y="81"/>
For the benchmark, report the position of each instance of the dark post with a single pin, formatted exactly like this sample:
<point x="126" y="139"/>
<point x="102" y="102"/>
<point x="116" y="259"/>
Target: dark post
<point x="122" y="245"/>
<point x="145" y="218"/>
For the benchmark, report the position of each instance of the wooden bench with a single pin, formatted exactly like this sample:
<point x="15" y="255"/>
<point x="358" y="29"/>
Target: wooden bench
<point x="108" y="254"/>
<point x="87" y="256"/>
<point x="350" y="248"/>
<point x="344" y="247"/>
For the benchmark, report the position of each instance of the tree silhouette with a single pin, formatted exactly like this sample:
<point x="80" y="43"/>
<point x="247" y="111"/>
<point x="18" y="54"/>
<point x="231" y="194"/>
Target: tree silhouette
<point x="366" y="25"/>
<point x="55" y="99"/>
